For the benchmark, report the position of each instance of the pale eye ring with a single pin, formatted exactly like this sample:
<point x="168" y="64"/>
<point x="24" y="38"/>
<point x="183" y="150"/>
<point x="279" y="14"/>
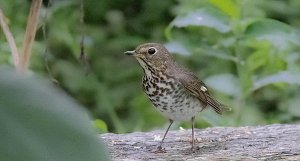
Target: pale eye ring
<point x="151" y="51"/>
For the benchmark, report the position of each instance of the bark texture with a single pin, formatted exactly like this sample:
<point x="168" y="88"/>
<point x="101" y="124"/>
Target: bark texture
<point x="271" y="142"/>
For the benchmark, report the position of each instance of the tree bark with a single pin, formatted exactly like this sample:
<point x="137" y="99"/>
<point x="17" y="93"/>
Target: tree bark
<point x="271" y="142"/>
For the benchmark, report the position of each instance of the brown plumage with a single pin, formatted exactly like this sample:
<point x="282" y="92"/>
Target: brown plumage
<point x="173" y="89"/>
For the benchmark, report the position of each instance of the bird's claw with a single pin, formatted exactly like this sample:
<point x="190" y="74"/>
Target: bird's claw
<point x="160" y="150"/>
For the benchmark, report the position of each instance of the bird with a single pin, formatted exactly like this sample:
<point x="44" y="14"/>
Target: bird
<point x="175" y="91"/>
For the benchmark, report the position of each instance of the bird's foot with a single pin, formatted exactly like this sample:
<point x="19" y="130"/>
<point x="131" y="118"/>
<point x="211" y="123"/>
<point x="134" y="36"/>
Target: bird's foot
<point x="194" y="149"/>
<point x="160" y="150"/>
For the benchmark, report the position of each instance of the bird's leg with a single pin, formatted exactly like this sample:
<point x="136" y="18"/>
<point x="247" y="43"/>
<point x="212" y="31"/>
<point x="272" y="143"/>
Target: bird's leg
<point x="159" y="148"/>
<point x="193" y="134"/>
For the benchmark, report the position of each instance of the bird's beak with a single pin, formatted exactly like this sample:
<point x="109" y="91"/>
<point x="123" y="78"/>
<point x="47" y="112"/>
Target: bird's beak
<point x="131" y="53"/>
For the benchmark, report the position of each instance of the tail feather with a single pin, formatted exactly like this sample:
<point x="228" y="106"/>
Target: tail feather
<point x="217" y="106"/>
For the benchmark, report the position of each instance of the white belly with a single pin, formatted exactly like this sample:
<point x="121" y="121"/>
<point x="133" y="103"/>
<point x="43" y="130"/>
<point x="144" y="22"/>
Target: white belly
<point x="181" y="108"/>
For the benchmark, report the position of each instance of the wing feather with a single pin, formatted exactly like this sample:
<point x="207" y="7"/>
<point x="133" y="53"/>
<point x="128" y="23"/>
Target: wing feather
<point x="198" y="89"/>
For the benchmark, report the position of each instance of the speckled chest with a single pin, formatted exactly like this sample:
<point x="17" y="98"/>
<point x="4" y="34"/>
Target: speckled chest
<point x="170" y="97"/>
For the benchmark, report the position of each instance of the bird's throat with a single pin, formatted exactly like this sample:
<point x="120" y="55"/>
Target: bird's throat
<point x="146" y="67"/>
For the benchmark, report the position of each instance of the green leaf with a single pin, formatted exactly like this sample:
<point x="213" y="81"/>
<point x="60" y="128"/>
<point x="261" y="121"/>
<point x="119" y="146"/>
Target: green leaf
<point x="278" y="33"/>
<point x="225" y="83"/>
<point x="40" y="122"/>
<point x="208" y="17"/>
<point x="101" y="125"/>
<point x="281" y="77"/>
<point x="257" y="59"/>
<point x="168" y="33"/>
<point x="229" y="6"/>
<point x="177" y="47"/>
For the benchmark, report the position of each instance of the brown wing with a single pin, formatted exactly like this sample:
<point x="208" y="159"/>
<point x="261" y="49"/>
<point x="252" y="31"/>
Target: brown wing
<point x="198" y="89"/>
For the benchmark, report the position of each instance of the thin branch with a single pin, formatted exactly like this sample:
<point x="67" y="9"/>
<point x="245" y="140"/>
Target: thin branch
<point x="82" y="53"/>
<point x="30" y="34"/>
<point x="82" y="57"/>
<point x="10" y="39"/>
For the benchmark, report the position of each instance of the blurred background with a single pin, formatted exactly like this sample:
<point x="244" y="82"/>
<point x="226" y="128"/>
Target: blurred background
<point x="246" y="51"/>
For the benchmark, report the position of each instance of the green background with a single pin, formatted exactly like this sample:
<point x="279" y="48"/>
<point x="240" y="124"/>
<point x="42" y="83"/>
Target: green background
<point x="246" y="51"/>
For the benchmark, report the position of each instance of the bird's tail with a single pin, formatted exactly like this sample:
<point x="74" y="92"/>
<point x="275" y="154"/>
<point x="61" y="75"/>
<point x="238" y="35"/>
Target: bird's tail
<point x="217" y="106"/>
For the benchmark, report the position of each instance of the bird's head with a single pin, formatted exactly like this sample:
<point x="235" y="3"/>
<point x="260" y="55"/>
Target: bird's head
<point x="151" y="55"/>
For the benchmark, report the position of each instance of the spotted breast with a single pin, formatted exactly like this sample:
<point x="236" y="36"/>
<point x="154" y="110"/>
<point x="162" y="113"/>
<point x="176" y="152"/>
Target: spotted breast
<point x="170" y="97"/>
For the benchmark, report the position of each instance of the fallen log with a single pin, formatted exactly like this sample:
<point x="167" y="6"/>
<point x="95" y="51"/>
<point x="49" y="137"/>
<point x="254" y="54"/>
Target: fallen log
<point x="270" y="142"/>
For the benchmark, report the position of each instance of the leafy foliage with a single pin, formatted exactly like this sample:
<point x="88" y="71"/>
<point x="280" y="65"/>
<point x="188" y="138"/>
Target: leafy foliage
<point x="39" y="122"/>
<point x="246" y="51"/>
<point x="257" y="48"/>
<point x="208" y="17"/>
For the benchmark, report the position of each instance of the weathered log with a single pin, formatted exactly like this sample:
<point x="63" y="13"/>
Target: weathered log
<point x="271" y="142"/>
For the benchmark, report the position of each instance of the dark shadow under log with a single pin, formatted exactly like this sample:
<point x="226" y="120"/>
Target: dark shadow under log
<point x="271" y="142"/>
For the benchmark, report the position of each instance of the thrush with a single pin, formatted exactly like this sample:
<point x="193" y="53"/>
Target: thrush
<point x="176" y="92"/>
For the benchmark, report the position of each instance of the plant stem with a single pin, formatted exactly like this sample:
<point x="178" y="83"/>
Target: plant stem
<point x="10" y="39"/>
<point x="29" y="35"/>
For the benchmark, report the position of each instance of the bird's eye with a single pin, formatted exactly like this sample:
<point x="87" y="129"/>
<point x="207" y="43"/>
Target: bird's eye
<point x="151" y="51"/>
